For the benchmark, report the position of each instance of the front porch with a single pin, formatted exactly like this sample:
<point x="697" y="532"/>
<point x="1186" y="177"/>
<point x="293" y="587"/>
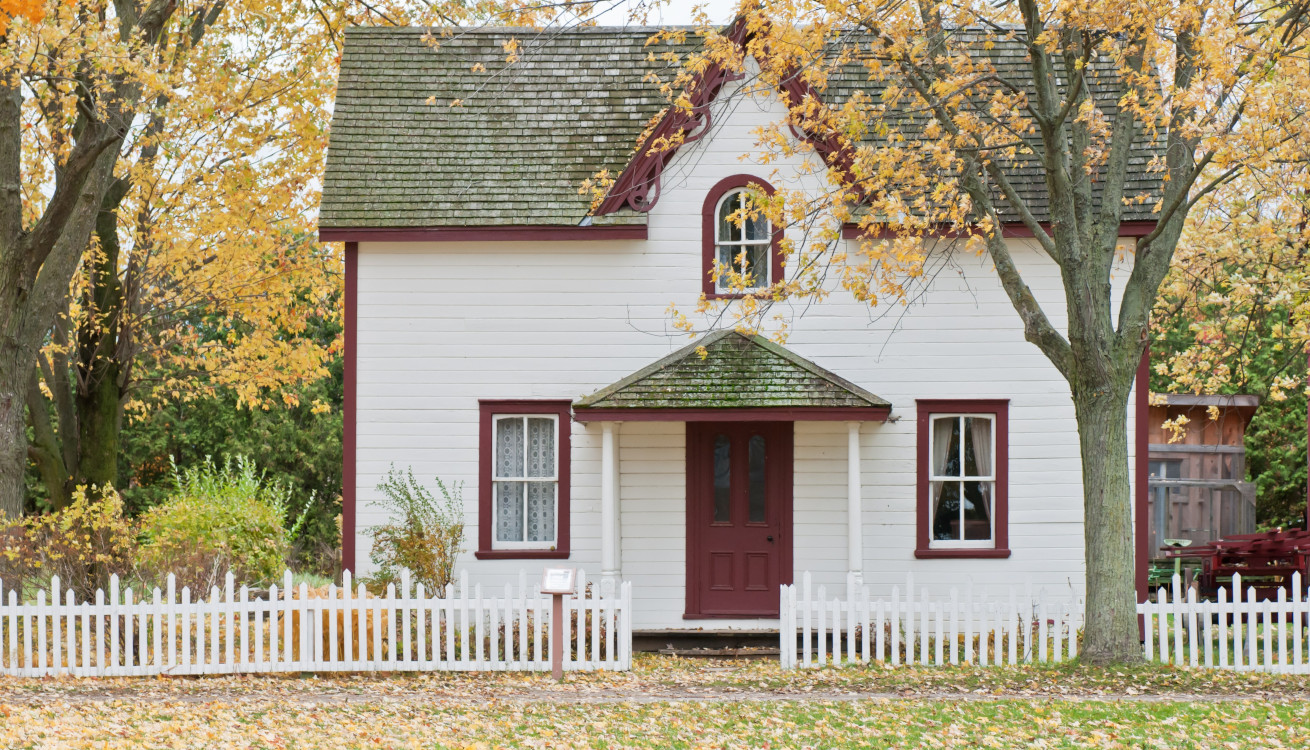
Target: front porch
<point x="716" y="469"/>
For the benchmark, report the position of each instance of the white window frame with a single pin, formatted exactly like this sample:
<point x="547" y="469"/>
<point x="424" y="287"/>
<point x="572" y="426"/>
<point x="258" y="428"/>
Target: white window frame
<point x="719" y="243"/>
<point x="990" y="542"/>
<point x="496" y="543"/>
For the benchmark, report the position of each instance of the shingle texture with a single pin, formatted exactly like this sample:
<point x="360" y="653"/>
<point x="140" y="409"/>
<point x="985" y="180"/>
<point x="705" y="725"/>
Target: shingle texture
<point x="528" y="134"/>
<point x="515" y="152"/>
<point x="1009" y="58"/>
<point x="736" y="372"/>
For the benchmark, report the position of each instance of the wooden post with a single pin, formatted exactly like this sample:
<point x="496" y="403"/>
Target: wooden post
<point x="854" y="518"/>
<point x="557" y="582"/>
<point x="557" y="637"/>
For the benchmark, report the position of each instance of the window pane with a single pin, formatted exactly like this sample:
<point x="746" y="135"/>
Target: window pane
<point x="755" y="455"/>
<point x="946" y="446"/>
<point x="757" y="257"/>
<point x="541" y="447"/>
<point x="722" y="479"/>
<point x="509" y="447"/>
<point x="541" y="511"/>
<point x="728" y="260"/>
<point x="978" y="446"/>
<point x="978" y="510"/>
<point x="509" y="511"/>
<point x="728" y="230"/>
<point x="946" y="511"/>
<point x="757" y="228"/>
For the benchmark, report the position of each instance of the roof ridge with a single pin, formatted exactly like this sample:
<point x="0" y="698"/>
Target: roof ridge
<point x="466" y="30"/>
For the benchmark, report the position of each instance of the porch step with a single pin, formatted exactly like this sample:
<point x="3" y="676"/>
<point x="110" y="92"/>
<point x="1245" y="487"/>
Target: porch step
<point x="722" y="653"/>
<point x="709" y="643"/>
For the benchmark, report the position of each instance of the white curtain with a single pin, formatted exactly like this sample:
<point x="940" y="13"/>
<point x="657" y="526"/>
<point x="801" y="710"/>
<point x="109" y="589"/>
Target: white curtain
<point x="942" y="429"/>
<point x="980" y="430"/>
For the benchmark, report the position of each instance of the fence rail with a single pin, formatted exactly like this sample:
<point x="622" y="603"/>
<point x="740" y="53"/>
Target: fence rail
<point x="1243" y="634"/>
<point x="298" y="629"/>
<point x="912" y="627"/>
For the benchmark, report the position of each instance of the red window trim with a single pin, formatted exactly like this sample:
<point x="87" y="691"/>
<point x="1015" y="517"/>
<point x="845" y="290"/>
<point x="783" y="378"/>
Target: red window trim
<point x="709" y="224"/>
<point x="487" y="408"/>
<point x="1001" y="512"/>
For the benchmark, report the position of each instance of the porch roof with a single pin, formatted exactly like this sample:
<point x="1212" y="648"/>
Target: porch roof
<point x="740" y="378"/>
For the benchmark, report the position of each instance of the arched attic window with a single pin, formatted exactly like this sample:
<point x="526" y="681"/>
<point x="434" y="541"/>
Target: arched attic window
<point x="750" y="246"/>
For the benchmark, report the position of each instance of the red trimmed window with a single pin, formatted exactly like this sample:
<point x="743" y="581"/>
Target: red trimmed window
<point x="750" y="248"/>
<point x="523" y="480"/>
<point x="963" y="478"/>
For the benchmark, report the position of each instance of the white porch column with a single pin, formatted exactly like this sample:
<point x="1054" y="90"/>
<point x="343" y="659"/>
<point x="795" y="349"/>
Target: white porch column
<point x="854" y="515"/>
<point x="610" y="570"/>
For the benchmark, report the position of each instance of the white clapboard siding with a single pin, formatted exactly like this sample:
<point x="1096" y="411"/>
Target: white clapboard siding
<point x="1241" y="633"/>
<point x="913" y="627"/>
<point x="295" y="629"/>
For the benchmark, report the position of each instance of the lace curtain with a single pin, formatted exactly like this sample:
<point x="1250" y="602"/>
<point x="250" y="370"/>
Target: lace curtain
<point x="525" y="450"/>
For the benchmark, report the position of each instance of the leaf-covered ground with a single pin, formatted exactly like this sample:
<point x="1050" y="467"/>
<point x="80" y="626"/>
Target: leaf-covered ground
<point x="667" y="702"/>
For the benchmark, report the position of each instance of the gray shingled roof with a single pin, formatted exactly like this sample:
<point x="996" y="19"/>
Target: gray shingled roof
<point x="527" y="134"/>
<point x="736" y="372"/>
<point x="515" y="152"/>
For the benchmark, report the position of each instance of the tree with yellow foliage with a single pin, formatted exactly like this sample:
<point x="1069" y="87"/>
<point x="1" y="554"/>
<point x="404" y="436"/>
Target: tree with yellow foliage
<point x="203" y="271"/>
<point x="1217" y="85"/>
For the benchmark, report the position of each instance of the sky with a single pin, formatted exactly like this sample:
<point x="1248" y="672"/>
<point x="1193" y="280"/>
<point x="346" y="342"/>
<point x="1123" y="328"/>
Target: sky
<point x="675" y="12"/>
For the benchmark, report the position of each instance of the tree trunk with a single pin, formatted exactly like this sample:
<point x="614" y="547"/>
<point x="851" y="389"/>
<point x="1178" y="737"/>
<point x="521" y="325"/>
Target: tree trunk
<point x="99" y="390"/>
<point x="1110" y="635"/>
<point x="13" y="440"/>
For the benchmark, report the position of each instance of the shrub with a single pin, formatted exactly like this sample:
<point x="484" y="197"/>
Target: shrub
<point x="425" y="535"/>
<point x="218" y="519"/>
<point x="84" y="544"/>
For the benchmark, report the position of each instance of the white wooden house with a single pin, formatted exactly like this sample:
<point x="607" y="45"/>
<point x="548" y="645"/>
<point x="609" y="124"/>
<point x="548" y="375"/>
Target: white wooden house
<point x="503" y="334"/>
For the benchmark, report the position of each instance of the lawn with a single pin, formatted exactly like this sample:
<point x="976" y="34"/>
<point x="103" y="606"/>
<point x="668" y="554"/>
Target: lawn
<point x="667" y="702"/>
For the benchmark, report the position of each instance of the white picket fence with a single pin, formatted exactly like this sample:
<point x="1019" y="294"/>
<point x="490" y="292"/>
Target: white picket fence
<point x="912" y="627"/>
<point x="292" y="629"/>
<point x="1244" y="634"/>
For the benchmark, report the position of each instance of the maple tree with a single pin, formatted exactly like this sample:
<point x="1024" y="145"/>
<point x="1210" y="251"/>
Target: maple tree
<point x="1234" y="317"/>
<point x="1212" y="82"/>
<point x="168" y="156"/>
<point x="82" y="71"/>
<point x="202" y="272"/>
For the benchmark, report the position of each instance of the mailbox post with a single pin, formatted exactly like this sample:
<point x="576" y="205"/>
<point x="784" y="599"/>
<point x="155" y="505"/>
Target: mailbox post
<point x="557" y="582"/>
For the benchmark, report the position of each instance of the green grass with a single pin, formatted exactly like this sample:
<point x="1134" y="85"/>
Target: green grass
<point x="945" y="723"/>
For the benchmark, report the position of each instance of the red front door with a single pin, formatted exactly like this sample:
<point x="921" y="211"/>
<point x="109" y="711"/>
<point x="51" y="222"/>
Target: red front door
<point x="739" y="517"/>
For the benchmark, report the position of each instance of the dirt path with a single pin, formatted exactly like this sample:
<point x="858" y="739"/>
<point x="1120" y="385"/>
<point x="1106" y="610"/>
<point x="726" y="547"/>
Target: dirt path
<point x="334" y="697"/>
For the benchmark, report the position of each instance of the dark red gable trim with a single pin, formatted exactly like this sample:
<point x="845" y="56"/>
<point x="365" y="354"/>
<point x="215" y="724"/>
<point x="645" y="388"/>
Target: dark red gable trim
<point x="759" y="414"/>
<point x="638" y="186"/>
<point x="487" y="408"/>
<point x="1009" y="229"/>
<point x="534" y="233"/>
<point x="349" y="407"/>
<point x="709" y="232"/>
<point x="1141" y="479"/>
<point x="1000" y="408"/>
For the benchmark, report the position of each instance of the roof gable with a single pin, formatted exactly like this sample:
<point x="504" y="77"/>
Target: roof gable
<point x="737" y="372"/>
<point x="526" y="135"/>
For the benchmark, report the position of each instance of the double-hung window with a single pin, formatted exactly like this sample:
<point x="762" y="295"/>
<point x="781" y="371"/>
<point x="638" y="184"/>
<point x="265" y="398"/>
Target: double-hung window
<point x="963" y="456"/>
<point x="523" y="492"/>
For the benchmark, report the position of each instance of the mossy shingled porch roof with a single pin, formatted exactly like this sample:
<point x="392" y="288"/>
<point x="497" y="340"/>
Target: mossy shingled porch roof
<point x="736" y="372"/>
